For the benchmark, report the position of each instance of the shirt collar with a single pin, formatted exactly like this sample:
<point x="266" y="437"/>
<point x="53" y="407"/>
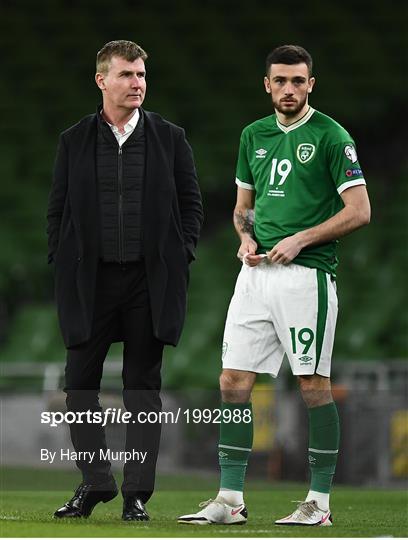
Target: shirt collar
<point x="133" y="121"/>
<point x="296" y="124"/>
<point x="129" y="126"/>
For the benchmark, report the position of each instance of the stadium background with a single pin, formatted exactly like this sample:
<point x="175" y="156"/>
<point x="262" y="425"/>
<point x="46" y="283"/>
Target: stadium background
<point x="204" y="72"/>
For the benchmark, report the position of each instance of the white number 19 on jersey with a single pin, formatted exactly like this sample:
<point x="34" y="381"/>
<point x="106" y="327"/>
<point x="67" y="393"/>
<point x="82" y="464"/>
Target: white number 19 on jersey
<point x="283" y="169"/>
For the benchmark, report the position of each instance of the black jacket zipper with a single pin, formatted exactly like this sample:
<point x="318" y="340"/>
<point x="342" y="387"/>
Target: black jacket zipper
<point x="120" y="206"/>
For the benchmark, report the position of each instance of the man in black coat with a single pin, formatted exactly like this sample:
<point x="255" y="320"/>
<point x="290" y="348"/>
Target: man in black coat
<point x="124" y="217"/>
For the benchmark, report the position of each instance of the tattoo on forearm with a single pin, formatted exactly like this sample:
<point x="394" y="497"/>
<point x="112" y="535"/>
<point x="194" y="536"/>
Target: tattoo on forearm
<point x="245" y="221"/>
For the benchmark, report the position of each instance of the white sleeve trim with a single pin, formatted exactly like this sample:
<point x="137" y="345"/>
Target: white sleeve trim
<point x="350" y="184"/>
<point x="244" y="184"/>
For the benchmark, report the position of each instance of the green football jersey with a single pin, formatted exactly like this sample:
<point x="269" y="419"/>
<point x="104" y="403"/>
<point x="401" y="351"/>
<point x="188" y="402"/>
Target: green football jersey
<point x="298" y="173"/>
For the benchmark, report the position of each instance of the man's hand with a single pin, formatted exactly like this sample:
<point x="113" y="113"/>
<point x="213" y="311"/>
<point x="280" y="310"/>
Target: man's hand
<point x="285" y="250"/>
<point x="247" y="251"/>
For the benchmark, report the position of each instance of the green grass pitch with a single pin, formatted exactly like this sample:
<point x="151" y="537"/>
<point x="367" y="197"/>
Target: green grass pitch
<point x="357" y="512"/>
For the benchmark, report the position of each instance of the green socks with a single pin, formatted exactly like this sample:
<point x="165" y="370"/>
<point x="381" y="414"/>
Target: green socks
<point x="324" y="438"/>
<point x="236" y="436"/>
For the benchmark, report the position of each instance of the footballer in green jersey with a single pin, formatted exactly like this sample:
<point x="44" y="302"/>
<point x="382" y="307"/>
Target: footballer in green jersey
<point x="297" y="173"/>
<point x="299" y="188"/>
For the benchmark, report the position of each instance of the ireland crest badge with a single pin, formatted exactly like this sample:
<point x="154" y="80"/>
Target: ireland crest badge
<point x="305" y="152"/>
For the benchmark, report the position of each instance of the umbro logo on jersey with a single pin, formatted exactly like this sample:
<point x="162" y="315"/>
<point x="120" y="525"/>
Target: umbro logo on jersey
<point x="305" y="360"/>
<point x="222" y="454"/>
<point x="305" y="152"/>
<point x="261" y="153"/>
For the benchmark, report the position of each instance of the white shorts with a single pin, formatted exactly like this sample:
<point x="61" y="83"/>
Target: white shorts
<point x="279" y="310"/>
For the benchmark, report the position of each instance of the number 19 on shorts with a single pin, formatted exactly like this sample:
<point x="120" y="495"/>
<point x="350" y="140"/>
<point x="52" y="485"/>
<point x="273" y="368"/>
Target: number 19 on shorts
<point x="301" y="338"/>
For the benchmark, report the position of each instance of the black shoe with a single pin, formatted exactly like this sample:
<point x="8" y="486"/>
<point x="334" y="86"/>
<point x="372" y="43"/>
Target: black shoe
<point x="85" y="498"/>
<point x="134" y="509"/>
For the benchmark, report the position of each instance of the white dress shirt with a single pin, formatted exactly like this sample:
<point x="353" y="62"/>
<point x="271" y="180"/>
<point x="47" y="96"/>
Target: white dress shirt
<point x="129" y="128"/>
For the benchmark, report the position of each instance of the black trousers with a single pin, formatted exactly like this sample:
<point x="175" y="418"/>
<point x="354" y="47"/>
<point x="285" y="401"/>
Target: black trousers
<point x="122" y="305"/>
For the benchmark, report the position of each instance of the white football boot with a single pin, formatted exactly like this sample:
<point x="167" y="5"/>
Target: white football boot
<point x="217" y="512"/>
<point x="307" y="513"/>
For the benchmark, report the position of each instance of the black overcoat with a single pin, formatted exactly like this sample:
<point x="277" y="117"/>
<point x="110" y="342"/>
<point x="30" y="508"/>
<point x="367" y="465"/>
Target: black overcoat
<point x="172" y="219"/>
